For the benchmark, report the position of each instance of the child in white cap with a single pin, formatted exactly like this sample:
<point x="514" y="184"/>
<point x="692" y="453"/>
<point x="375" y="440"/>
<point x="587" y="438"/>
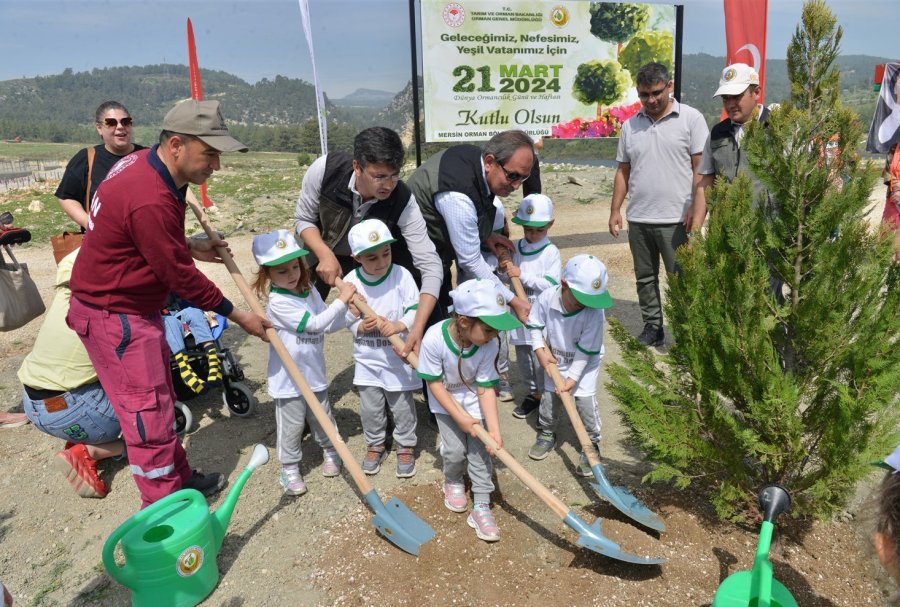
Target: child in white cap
<point x="383" y="379"/>
<point x="537" y="263"/>
<point x="301" y="318"/>
<point x="457" y="361"/>
<point x="569" y="319"/>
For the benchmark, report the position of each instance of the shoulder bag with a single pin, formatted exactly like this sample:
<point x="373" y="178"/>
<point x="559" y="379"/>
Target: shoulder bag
<point x="20" y="301"/>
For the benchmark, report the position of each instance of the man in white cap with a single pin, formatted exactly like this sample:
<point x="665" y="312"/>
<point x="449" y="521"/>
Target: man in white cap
<point x="739" y="90"/>
<point x="135" y="254"/>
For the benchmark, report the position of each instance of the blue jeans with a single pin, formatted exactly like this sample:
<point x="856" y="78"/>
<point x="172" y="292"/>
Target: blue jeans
<point x="196" y="322"/>
<point x="88" y="418"/>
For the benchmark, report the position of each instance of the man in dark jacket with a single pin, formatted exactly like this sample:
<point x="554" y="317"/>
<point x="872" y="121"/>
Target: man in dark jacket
<point x="455" y="189"/>
<point x="739" y="90"/>
<point x="340" y="190"/>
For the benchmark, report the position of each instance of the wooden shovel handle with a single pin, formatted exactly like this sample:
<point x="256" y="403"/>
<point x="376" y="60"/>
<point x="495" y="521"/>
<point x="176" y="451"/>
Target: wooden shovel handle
<point x="569" y="403"/>
<point x="502" y="454"/>
<point x="311" y="401"/>
<point x="504" y="259"/>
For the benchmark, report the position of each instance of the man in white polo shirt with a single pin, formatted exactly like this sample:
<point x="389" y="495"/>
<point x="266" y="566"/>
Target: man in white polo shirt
<point x="658" y="155"/>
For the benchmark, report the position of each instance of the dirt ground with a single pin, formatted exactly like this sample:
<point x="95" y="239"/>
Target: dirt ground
<point x="322" y="549"/>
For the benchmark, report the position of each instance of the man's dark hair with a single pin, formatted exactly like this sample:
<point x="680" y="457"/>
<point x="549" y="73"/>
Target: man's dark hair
<point x="164" y="136"/>
<point x="506" y="143"/>
<point x="378" y="145"/>
<point x="652" y="73"/>
<point x="105" y="107"/>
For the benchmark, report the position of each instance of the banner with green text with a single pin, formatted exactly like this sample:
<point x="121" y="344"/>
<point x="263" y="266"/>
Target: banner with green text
<point x="558" y="69"/>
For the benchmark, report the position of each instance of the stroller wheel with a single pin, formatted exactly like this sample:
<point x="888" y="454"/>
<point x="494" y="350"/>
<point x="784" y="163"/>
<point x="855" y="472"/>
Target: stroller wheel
<point x="183" y="418"/>
<point x="239" y="399"/>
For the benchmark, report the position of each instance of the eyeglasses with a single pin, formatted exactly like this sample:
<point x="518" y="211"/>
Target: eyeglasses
<point x="644" y="95"/>
<point x="112" y="122"/>
<point x="513" y="177"/>
<point x="384" y="178"/>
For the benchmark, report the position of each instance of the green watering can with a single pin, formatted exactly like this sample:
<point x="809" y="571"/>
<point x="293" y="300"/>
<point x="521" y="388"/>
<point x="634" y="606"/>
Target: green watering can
<point x="757" y="588"/>
<point x="171" y="546"/>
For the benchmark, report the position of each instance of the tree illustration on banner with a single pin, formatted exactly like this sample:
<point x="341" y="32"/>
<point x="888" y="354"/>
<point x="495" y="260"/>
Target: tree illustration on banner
<point x="647" y="47"/>
<point x="617" y="22"/>
<point x="600" y="82"/>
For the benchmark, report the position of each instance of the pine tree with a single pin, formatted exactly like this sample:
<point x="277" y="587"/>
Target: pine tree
<point x="796" y="385"/>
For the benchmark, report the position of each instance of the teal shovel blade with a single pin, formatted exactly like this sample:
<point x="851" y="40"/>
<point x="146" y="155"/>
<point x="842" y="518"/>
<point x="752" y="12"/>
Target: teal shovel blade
<point x="625" y="502"/>
<point x="590" y="537"/>
<point x="398" y="524"/>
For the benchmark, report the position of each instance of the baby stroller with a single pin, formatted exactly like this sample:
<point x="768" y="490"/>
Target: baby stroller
<point x="235" y="394"/>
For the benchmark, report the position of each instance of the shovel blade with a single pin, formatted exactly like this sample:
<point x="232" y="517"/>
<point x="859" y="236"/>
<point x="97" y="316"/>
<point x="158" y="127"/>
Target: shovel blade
<point x="625" y="502"/>
<point x="590" y="537"/>
<point x="398" y="524"/>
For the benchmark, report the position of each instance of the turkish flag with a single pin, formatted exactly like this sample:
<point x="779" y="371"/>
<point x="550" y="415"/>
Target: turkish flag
<point x="745" y="35"/>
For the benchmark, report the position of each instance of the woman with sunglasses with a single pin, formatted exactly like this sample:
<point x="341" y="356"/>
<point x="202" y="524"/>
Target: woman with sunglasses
<point x="114" y="125"/>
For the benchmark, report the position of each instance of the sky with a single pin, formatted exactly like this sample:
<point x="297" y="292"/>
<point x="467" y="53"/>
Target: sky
<point x="358" y="43"/>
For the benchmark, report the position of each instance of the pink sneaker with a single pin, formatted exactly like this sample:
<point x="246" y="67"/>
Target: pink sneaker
<point x="331" y="462"/>
<point x="481" y="519"/>
<point x="455" y="497"/>
<point x="291" y="481"/>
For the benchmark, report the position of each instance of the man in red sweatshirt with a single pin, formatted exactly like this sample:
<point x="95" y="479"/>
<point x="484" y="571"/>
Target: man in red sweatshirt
<point x="135" y="254"/>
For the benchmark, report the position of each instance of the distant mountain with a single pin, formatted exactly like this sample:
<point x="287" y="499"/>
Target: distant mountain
<point x="365" y="98"/>
<point x="398" y="114"/>
<point x="150" y="91"/>
<point x="280" y="114"/>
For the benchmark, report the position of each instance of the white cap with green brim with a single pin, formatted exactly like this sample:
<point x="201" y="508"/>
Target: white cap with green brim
<point x="368" y="235"/>
<point x="535" y="211"/>
<point x="483" y="300"/>
<point x="586" y="277"/>
<point x="275" y="248"/>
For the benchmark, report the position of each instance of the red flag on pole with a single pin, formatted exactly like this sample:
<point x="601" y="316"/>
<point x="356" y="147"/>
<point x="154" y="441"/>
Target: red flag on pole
<point x="196" y="91"/>
<point x="746" y="22"/>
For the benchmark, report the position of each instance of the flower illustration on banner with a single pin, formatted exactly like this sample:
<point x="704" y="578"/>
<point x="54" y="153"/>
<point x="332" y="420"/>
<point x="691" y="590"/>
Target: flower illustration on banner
<point x="607" y="124"/>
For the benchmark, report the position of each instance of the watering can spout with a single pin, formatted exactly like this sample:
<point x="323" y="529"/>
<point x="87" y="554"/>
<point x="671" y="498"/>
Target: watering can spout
<point x="222" y="516"/>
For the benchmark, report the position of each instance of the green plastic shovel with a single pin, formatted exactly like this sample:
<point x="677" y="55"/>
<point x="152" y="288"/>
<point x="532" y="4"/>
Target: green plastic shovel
<point x="757" y="588"/>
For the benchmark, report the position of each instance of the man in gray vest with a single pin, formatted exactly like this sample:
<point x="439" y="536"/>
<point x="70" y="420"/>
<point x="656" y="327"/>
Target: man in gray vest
<point x="339" y="191"/>
<point x="659" y="151"/>
<point x="739" y="90"/>
<point x="455" y="189"/>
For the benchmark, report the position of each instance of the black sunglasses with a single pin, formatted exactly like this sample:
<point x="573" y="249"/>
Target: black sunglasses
<point x="112" y="122"/>
<point x="513" y="177"/>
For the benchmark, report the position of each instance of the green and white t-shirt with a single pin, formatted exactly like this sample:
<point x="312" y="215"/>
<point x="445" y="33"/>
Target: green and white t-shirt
<point x="301" y="322"/>
<point x="395" y="297"/>
<point x="440" y="358"/>
<point x="575" y="338"/>
<point x="541" y="267"/>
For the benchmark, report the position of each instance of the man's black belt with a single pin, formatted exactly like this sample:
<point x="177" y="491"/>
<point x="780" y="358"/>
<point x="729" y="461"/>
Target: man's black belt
<point x="36" y="394"/>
